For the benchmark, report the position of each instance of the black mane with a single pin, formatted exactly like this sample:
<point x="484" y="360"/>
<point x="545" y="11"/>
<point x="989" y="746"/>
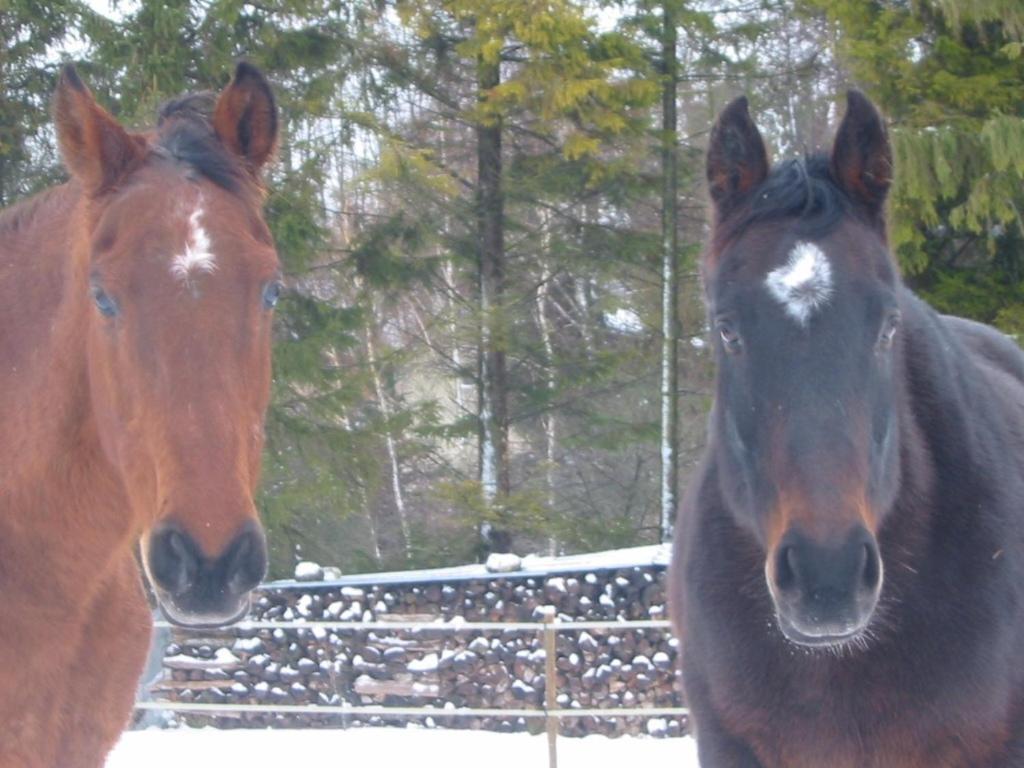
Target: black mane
<point x="185" y="133"/>
<point x="800" y="188"/>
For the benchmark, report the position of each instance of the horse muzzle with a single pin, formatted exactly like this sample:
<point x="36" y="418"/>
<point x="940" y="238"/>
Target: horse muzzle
<point x="824" y="594"/>
<point x="200" y="591"/>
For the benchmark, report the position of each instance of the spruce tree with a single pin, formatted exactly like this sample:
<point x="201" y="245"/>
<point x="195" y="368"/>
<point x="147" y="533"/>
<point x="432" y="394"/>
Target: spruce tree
<point x="950" y="77"/>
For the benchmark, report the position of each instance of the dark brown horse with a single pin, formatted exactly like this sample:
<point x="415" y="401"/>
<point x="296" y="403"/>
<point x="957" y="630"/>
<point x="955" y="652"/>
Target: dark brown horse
<point x="849" y="569"/>
<point x="134" y="376"/>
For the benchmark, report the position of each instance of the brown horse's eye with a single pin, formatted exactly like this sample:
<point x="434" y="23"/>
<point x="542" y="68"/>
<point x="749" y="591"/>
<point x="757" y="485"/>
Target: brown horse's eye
<point x="730" y="338"/>
<point x="272" y="294"/>
<point x="889" y="328"/>
<point x="104" y="302"/>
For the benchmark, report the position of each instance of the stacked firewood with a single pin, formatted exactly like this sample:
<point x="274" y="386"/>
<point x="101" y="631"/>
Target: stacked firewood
<point x="499" y="669"/>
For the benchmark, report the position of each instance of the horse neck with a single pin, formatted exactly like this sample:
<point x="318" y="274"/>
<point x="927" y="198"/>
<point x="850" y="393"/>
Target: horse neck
<point x="50" y="445"/>
<point x="938" y="379"/>
<point x="932" y="418"/>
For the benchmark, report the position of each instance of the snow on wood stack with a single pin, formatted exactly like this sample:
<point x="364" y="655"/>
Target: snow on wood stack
<point x="410" y="668"/>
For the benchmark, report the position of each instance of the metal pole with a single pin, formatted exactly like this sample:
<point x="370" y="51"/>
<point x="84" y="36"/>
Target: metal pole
<point x="452" y="625"/>
<point x="551" y="683"/>
<point x="373" y="710"/>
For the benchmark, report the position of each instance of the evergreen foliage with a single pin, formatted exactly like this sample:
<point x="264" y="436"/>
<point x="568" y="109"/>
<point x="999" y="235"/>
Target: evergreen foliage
<point x="29" y="33"/>
<point x="950" y="76"/>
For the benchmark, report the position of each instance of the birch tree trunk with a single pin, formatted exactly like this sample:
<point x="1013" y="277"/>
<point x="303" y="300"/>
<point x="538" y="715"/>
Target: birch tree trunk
<point x="453" y="330"/>
<point x="389" y="435"/>
<point x="550" y="419"/>
<point x="371" y="518"/>
<point x="669" y="277"/>
<point x="493" y="408"/>
<point x="451" y="305"/>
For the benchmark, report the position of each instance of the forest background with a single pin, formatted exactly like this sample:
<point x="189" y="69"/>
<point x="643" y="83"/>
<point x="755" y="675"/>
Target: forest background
<point x="490" y="211"/>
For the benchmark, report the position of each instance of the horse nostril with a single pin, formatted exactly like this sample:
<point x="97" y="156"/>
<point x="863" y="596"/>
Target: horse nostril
<point x="786" y="569"/>
<point x="173" y="561"/>
<point x="871" y="568"/>
<point x="246" y="562"/>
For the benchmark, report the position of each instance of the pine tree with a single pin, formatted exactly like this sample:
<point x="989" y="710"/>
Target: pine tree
<point x="30" y="34"/>
<point x="670" y="330"/>
<point x="544" y="102"/>
<point x="950" y="76"/>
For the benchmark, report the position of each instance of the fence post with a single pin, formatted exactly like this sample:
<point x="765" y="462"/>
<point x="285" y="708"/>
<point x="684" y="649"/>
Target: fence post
<point x="550" y="683"/>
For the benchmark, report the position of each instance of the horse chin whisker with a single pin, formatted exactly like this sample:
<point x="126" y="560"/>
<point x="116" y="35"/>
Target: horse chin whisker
<point x="868" y="638"/>
<point x="845" y="649"/>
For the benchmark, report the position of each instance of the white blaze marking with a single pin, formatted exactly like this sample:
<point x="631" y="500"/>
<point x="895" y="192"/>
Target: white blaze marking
<point x="803" y="283"/>
<point x="197" y="258"/>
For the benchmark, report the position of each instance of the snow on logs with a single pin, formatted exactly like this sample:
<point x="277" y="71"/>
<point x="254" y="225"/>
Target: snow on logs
<point x="602" y="669"/>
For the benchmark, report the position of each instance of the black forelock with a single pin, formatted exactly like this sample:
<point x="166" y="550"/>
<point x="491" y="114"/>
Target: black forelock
<point x="802" y="189"/>
<point x="185" y="133"/>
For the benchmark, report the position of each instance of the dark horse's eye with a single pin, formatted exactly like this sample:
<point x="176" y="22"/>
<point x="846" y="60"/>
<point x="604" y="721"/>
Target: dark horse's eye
<point x="104" y="302"/>
<point x="271" y="294"/>
<point x="730" y="338"/>
<point x="888" y="333"/>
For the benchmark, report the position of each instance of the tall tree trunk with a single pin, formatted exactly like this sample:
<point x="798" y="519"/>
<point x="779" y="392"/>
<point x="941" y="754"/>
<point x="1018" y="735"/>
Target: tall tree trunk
<point x="588" y="215"/>
<point x="445" y="254"/>
<point x="389" y="436"/>
<point x="670" y="277"/>
<point x="453" y="329"/>
<point x="493" y="400"/>
<point x="550" y="419"/>
<point x="371" y="517"/>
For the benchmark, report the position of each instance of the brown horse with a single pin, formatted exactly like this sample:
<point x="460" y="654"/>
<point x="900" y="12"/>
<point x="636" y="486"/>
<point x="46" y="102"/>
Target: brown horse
<point x="134" y="376"/>
<point x="848" y="575"/>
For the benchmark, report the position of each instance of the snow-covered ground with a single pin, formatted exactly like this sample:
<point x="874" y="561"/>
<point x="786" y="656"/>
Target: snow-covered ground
<point x="413" y="747"/>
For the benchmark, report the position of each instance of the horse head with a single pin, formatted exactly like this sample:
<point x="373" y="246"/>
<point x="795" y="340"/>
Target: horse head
<point x="802" y="292"/>
<point x="177" y="277"/>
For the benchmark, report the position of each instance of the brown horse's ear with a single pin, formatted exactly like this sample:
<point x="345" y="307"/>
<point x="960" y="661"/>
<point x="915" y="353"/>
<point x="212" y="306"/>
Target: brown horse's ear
<point x="737" y="158"/>
<point x="862" y="155"/>
<point x="96" y="149"/>
<point x="245" y="117"/>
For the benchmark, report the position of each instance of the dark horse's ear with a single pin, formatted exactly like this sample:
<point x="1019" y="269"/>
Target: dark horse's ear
<point x="96" y="149"/>
<point x="861" y="154"/>
<point x="245" y="117"/>
<point x="737" y="159"/>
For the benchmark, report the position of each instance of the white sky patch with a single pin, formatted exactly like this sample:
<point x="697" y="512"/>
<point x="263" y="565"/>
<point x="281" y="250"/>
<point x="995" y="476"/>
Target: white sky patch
<point x="115" y="10"/>
<point x="197" y="258"/>
<point x="804" y="283"/>
<point x="624" y="320"/>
